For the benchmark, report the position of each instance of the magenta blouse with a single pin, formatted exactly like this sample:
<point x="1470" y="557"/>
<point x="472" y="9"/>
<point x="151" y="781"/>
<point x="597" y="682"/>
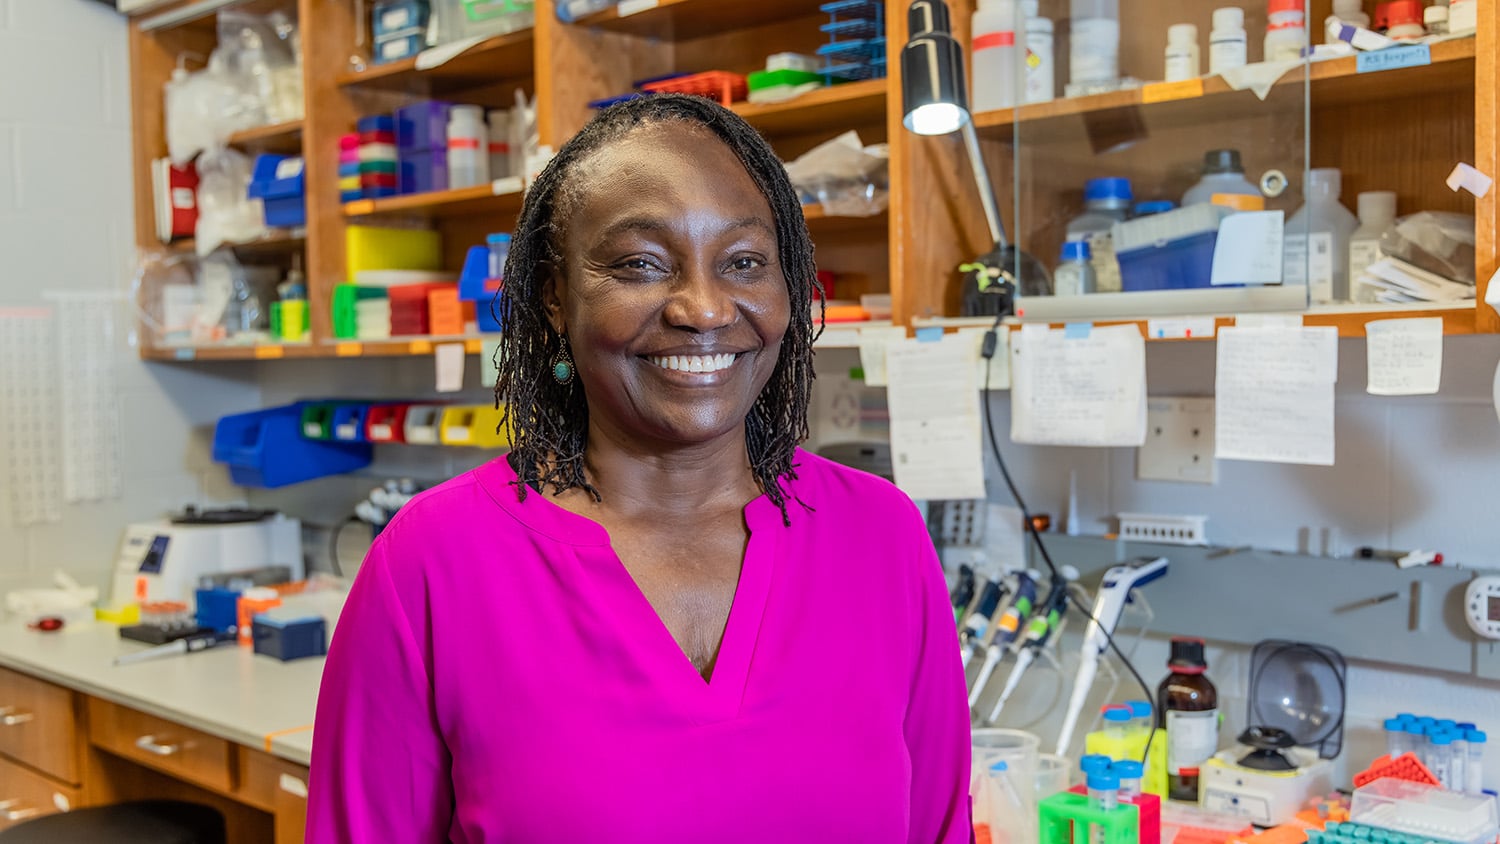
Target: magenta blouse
<point x="496" y="676"/>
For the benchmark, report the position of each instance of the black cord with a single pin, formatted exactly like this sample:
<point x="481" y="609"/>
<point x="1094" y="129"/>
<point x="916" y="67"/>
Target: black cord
<point x="333" y="544"/>
<point x="991" y="340"/>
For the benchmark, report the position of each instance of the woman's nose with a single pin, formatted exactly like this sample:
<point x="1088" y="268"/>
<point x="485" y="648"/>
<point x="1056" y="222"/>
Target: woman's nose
<point x="700" y="302"/>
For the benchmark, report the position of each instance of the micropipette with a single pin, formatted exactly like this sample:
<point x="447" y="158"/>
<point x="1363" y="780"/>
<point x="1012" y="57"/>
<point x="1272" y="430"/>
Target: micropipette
<point x="187" y="644"/>
<point x="978" y="622"/>
<point x="1006" y="629"/>
<point x="963" y="592"/>
<point x="1109" y="604"/>
<point x="1038" y="629"/>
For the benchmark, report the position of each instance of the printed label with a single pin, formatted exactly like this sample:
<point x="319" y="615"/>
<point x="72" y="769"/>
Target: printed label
<point x="1362" y="253"/>
<point x="1192" y="737"/>
<point x="380" y="432"/>
<point x="991" y="40"/>
<point x="1320" y="266"/>
<point x="288" y="168"/>
<point x="1226" y="54"/>
<point x="1095" y="54"/>
<point x="1393" y="58"/>
<point x="1106" y="265"/>
<point x="395" y="18"/>
<point x="183" y="198"/>
<point x="1294" y="259"/>
<point x="1039" y="82"/>
<point x="1181" y="66"/>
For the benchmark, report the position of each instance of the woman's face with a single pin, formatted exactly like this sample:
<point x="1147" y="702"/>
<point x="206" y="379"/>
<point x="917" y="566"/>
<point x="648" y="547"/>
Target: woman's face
<point x="671" y="294"/>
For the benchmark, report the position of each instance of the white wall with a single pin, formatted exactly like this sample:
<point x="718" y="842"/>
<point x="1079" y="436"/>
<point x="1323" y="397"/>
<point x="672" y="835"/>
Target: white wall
<point x="66" y="225"/>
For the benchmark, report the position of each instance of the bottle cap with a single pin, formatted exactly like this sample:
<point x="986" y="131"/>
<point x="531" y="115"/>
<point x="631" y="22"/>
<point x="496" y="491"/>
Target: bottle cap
<point x="1229" y="18"/>
<point x="1325" y="183"/>
<point x="1128" y="769"/>
<point x="1077" y="250"/>
<point x="1030" y="8"/>
<point x="1094" y="763"/>
<point x="1395" y="725"/>
<point x="1441" y="739"/>
<point x="1000" y="767"/>
<point x="1377" y="206"/>
<point x="1403" y="12"/>
<point x="1476" y="737"/>
<point x="1140" y="708"/>
<point x="497" y="239"/>
<point x="1154" y="206"/>
<point x="1187" y="655"/>
<point x="1416" y="728"/>
<point x="1466" y="726"/>
<point x="1447" y="724"/>
<point x="1278" y="6"/>
<point x="1182" y="34"/>
<point x="1426" y="720"/>
<point x="1111" y="188"/>
<point x="1434" y="14"/>
<point x="1103" y="781"/>
<point x="1117" y="715"/>
<point x="1222" y="161"/>
<point x="1406" y="716"/>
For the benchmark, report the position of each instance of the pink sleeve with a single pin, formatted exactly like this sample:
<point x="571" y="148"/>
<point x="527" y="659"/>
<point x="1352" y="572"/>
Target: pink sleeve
<point x="380" y="769"/>
<point x="937" y="718"/>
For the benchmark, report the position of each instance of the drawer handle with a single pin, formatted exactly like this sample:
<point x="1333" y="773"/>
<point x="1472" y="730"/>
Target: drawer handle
<point x="150" y="745"/>
<point x="11" y="716"/>
<point x="12" y="810"/>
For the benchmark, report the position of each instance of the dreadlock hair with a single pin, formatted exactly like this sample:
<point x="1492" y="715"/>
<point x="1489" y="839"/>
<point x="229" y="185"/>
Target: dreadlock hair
<point x="548" y="422"/>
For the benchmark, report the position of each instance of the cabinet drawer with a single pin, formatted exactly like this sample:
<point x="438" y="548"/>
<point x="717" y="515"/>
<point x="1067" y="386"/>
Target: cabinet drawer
<point x="25" y="794"/>
<point x="173" y="749"/>
<point x="38" y="725"/>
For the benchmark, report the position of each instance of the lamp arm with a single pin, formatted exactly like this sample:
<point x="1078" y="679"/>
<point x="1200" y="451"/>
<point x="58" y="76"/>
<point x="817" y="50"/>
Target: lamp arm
<point x="986" y="187"/>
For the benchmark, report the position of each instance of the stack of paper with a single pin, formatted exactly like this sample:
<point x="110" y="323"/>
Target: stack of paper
<point x="1396" y="281"/>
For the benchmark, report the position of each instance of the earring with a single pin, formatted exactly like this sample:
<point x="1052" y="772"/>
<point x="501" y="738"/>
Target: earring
<point x="562" y="365"/>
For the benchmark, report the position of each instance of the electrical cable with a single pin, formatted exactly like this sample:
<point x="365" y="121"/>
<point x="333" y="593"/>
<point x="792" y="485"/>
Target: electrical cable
<point x="991" y="340"/>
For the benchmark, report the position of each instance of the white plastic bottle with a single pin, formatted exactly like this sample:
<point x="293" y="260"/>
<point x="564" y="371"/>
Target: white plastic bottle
<point x="468" y="147"/>
<point x="1463" y="16"/>
<point x="499" y="143"/>
<point x="1041" y="67"/>
<point x="1348" y="11"/>
<point x="1316" y="250"/>
<point x="1228" y="45"/>
<point x="1094" y="57"/>
<point x="1183" y="60"/>
<point x="1222" y="173"/>
<point x="1075" y="275"/>
<point x="1106" y="202"/>
<point x="996" y="56"/>
<point x="1286" y="30"/>
<point x="1377" y="212"/>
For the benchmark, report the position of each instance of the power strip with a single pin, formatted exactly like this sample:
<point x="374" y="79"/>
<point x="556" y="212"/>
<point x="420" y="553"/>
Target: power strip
<point x="963" y="523"/>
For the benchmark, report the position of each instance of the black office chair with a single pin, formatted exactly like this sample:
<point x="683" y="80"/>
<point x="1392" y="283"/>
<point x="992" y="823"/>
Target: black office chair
<point x="144" y="822"/>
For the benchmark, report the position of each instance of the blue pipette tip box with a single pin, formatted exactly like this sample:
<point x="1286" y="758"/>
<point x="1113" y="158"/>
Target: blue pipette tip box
<point x="290" y="638"/>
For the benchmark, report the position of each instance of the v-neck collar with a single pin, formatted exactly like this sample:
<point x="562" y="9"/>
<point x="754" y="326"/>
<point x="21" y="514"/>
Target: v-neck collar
<point x="719" y="697"/>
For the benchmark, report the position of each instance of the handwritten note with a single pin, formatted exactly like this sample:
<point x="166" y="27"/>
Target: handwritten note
<point x="449" y="362"/>
<point x="936" y="451"/>
<point x="1393" y="58"/>
<point x="998" y="370"/>
<point x="1274" y="394"/>
<point x="1405" y="356"/>
<point x="1249" y="249"/>
<point x="1079" y="390"/>
<point x="872" y="346"/>
<point x="489" y="369"/>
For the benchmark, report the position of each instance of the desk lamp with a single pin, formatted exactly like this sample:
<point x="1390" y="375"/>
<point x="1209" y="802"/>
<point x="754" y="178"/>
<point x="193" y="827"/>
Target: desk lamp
<point x="934" y="102"/>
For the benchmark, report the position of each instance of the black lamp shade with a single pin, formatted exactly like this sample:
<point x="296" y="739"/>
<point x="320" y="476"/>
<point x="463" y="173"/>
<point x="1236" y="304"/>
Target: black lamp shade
<point x="934" y="101"/>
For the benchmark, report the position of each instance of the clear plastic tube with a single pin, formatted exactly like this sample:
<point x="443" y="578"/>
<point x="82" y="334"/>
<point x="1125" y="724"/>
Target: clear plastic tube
<point x="1474" y="762"/>
<point x="1104" y="796"/>
<point x="1129" y="773"/>
<point x="1395" y="737"/>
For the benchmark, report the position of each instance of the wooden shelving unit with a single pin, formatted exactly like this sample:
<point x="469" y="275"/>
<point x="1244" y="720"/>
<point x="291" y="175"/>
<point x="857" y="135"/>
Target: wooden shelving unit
<point x="685" y="20"/>
<point x="480" y="200"/>
<point x="503" y="57"/>
<point x="826" y="109"/>
<point x="283" y="138"/>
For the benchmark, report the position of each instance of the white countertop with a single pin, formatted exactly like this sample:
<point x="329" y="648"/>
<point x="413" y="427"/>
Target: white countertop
<point x="226" y="691"/>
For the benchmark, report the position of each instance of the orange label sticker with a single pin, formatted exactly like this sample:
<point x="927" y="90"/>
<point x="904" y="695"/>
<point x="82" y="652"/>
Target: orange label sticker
<point x="420" y="347"/>
<point x="141" y="589"/>
<point x="349" y="350"/>
<point x="473" y="347"/>
<point x="269" y="352"/>
<point x="359" y="206"/>
<point x="1161" y="92"/>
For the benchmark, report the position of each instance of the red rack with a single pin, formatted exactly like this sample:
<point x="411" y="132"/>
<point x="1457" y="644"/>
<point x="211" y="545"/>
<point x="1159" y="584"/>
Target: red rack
<point x="720" y="85"/>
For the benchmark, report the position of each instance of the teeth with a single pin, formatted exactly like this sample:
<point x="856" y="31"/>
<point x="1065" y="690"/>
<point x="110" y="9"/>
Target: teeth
<point x="694" y="363"/>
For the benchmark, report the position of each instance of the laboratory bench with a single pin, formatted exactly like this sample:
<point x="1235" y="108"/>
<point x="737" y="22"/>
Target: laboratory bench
<point x="224" y="727"/>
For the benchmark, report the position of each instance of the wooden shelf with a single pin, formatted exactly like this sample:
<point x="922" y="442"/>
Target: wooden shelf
<point x="819" y="222"/>
<point x="684" y="20"/>
<point x="466" y="202"/>
<point x="283" y="138"/>
<point x="276" y="242"/>
<point x="396" y="347"/>
<point x="494" y="60"/>
<point x="1331" y="81"/>
<point x="835" y="108"/>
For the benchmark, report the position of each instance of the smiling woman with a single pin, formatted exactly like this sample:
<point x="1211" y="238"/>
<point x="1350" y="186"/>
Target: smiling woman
<point x="622" y="630"/>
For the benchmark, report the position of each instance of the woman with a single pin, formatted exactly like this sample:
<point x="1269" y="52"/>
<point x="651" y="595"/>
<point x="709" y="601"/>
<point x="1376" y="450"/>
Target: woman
<point x="656" y="620"/>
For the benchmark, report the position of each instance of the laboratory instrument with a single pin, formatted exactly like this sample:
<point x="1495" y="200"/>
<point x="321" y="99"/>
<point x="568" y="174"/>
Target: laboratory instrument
<point x="1482" y="606"/>
<point x="163" y="560"/>
<point x="1316" y="246"/>
<point x="978" y="623"/>
<point x="963" y="591"/>
<point x="1074" y="277"/>
<point x="1041" y="66"/>
<point x="1094" y="57"/>
<point x="1223" y="173"/>
<point x="1377" y="212"/>
<point x="997" y="56"/>
<point x="1182" y="58"/>
<point x="1004" y="632"/>
<point x="1189" y="707"/>
<point x="188" y="644"/>
<point x="1038" y="630"/>
<point x="1109" y="605"/>
<point x="1106" y="202"/>
<point x="1228" y="45"/>
<point x="1286" y="30"/>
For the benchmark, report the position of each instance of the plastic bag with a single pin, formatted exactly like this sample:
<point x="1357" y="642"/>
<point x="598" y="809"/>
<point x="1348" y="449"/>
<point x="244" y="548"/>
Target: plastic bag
<point x="846" y="177"/>
<point x="225" y="215"/>
<point x="1436" y="241"/>
<point x="259" y="62"/>
<point x="201" y="111"/>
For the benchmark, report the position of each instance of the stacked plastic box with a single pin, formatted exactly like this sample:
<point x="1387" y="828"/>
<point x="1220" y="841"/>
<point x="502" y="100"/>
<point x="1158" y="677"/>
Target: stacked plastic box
<point x="856" y="41"/>
<point x="400" y="29"/>
<point x="422" y="146"/>
<point x="349" y="188"/>
<point x="278" y="182"/>
<point x="377" y="156"/>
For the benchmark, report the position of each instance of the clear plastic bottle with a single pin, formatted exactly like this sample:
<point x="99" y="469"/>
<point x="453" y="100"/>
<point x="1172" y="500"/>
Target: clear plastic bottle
<point x="1286" y="30"/>
<point x="1094" y="57"/>
<point x="1117" y="725"/>
<point x="997" y="55"/>
<point x="1439" y="758"/>
<point x="1106" y="202"/>
<point x="1474" y="762"/>
<point x="1228" y="45"/>
<point x="1104" y="796"/>
<point x="499" y="245"/>
<point x="1129" y="772"/>
<point x="499" y="142"/>
<point x="1183" y="59"/>
<point x="1460" y="764"/>
<point x="1348" y="11"/>
<point x="1041" y="66"/>
<point x="1075" y="275"/>
<point x="1189" y="707"/>
<point x="1222" y="173"/>
<point x="468" y="147"/>
<point x="1395" y="737"/>
<point x="1317" y="239"/>
<point x="1377" y="212"/>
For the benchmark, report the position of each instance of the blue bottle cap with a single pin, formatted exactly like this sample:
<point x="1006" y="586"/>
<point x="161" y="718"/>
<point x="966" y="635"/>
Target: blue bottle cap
<point x="1103" y="781"/>
<point x="1111" y="188"/>
<point x="1394" y="725"/>
<point x="1139" y="708"/>
<point x="1415" y="728"/>
<point x="1128" y="769"/>
<point x="1406" y="716"/>
<point x="497" y="238"/>
<point x="1077" y="250"/>
<point x="1094" y="763"/>
<point x="1000" y="767"/>
<point x="1447" y="723"/>
<point x="1466" y="726"/>
<point x="1426" y="721"/>
<point x="1441" y="738"/>
<point x="1476" y="737"/>
<point x="1154" y="206"/>
<point x="1117" y="715"/>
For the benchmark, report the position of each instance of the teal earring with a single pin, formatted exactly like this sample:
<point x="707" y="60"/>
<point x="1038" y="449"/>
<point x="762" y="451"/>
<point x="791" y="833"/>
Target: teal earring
<point x="562" y="365"/>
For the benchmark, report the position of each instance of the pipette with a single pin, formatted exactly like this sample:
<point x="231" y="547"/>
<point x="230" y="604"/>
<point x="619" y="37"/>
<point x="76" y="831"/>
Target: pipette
<point x="1114" y="593"/>
<point x="1006" y="629"/>
<point x="1038" y="630"/>
<point x="978" y="622"/>
<point x="187" y="644"/>
<point x="963" y="592"/>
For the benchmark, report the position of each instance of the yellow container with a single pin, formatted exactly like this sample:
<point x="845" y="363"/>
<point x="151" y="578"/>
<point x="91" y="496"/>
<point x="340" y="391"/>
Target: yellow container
<point x="472" y="424"/>
<point x="375" y="248"/>
<point x="1131" y="747"/>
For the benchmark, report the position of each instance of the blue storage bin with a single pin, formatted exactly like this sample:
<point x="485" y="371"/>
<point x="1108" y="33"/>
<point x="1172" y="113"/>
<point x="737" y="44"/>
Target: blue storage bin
<point x="265" y="448"/>
<point x="422" y="126"/>
<point x="398" y="17"/>
<point x="376" y="123"/>
<point x="398" y="47"/>
<point x="279" y="182"/>
<point x="422" y="171"/>
<point x="472" y="288"/>
<point x="1182" y="264"/>
<point x="349" y="423"/>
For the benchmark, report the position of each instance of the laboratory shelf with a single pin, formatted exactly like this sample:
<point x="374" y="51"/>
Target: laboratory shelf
<point x="820" y="222"/>
<point x="831" y="109"/>
<point x="684" y="20"/>
<point x="489" y="63"/>
<point x="275" y="242"/>
<point x="502" y="199"/>
<point x="394" y="347"/>
<point x="284" y="138"/>
<point x="1209" y="99"/>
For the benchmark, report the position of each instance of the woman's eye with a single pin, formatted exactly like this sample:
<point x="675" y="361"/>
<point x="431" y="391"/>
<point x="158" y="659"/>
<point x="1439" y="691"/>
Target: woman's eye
<point x="746" y="262"/>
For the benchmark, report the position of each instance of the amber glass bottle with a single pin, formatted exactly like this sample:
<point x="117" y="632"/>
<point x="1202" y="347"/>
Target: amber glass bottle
<point x="1189" y="711"/>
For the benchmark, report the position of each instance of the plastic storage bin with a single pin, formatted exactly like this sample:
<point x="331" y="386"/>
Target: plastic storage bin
<point x="422" y="172"/>
<point x="386" y="423"/>
<point x="1424" y="811"/>
<point x="720" y="85"/>
<point x="346" y="299"/>
<point x="473" y="425"/>
<point x="390" y="18"/>
<point x="317" y="420"/>
<point x="422" y="126"/>
<point x="1169" y="251"/>
<point x="278" y="182"/>
<point x="422" y="423"/>
<point x="349" y="423"/>
<point x="265" y="449"/>
<point x="379" y="248"/>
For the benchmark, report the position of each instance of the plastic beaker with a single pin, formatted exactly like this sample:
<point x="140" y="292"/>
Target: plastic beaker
<point x="1052" y="775"/>
<point x="1017" y="749"/>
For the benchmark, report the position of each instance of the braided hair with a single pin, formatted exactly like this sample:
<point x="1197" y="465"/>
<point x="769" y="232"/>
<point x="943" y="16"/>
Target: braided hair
<point x="547" y="422"/>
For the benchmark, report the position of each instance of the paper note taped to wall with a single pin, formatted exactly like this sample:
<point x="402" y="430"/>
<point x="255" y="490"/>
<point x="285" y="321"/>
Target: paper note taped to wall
<point x="872" y="346"/>
<point x="936" y="450"/>
<point x="1274" y="394"/>
<point x="1249" y="249"/>
<point x="1405" y="356"/>
<point x="1087" y="390"/>
<point x="449" y="363"/>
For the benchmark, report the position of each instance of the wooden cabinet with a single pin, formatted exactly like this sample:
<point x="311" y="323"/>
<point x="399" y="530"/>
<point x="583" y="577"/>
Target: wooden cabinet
<point x="180" y="752"/>
<point x="26" y="794"/>
<point x="38" y="726"/>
